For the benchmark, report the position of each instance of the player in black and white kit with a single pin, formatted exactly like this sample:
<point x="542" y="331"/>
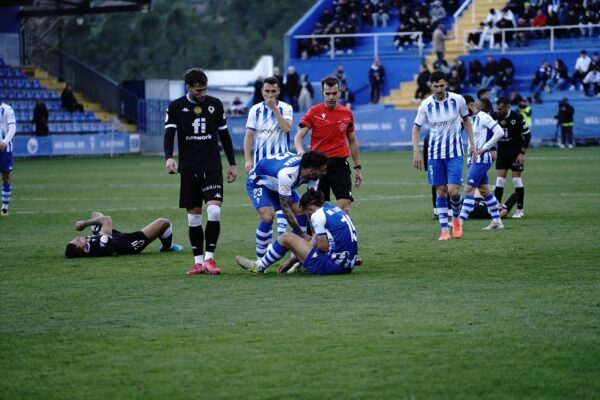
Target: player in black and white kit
<point x="511" y="151"/>
<point x="106" y="241"/>
<point x="199" y="121"/>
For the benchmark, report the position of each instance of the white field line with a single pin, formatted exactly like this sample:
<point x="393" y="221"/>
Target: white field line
<point x="248" y="205"/>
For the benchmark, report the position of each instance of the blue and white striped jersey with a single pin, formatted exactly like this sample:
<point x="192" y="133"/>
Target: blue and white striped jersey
<point x="445" y="125"/>
<point x="269" y="138"/>
<point x="341" y="234"/>
<point x="7" y="118"/>
<point x="279" y="173"/>
<point x="486" y="132"/>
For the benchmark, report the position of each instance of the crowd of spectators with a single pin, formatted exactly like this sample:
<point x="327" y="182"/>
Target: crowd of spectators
<point x="582" y="15"/>
<point x="351" y="16"/>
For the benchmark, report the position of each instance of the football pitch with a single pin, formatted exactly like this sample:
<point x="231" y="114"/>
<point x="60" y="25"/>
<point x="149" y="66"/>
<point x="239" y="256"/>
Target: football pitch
<point x="498" y="314"/>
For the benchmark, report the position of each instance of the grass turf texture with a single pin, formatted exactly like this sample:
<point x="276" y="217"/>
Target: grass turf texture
<point x="501" y="314"/>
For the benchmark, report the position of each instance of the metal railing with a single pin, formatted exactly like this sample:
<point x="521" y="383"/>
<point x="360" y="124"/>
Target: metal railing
<point x="417" y="38"/>
<point x="503" y="32"/>
<point x="460" y="10"/>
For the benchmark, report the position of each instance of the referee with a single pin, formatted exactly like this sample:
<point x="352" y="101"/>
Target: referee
<point x="198" y="119"/>
<point x="332" y="126"/>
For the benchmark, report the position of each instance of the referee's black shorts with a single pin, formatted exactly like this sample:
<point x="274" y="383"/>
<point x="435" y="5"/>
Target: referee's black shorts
<point x="201" y="186"/>
<point x="338" y="179"/>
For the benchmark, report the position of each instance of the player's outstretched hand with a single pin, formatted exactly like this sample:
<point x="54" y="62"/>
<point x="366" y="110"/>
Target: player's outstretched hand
<point x="171" y="166"/>
<point x="357" y="178"/>
<point x="79" y="226"/>
<point x="417" y="162"/>
<point x="285" y="267"/>
<point x="231" y="173"/>
<point x="248" y="166"/>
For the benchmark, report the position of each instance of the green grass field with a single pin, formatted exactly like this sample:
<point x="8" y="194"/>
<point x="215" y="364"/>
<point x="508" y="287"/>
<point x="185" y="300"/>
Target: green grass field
<point x="507" y="314"/>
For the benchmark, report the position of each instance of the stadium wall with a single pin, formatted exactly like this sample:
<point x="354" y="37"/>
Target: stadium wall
<point x="76" y="145"/>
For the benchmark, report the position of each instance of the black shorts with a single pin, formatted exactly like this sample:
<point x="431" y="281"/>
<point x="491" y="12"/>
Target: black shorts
<point x="129" y="243"/>
<point x="507" y="159"/>
<point x="337" y="179"/>
<point x="198" y="187"/>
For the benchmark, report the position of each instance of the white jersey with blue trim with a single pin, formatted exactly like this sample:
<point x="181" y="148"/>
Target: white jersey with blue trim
<point x="269" y="138"/>
<point x="445" y="125"/>
<point x="341" y="234"/>
<point x="279" y="173"/>
<point x="7" y="118"/>
<point x="486" y="132"/>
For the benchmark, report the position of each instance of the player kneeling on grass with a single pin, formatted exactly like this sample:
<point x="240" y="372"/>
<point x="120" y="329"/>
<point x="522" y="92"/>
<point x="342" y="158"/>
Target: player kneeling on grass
<point x="106" y="241"/>
<point x="333" y="249"/>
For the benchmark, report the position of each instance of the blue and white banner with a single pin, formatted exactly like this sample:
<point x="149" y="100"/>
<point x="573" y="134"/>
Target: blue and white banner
<point x="66" y="145"/>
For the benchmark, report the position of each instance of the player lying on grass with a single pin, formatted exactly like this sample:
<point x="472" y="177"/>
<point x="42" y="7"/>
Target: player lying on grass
<point x="480" y="209"/>
<point x="106" y="241"/>
<point x="333" y="249"/>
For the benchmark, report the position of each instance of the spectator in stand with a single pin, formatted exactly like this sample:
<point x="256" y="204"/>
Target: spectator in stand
<point x="454" y="82"/>
<point x="68" y="101"/>
<point x="314" y="49"/>
<point x="277" y="74"/>
<point x="459" y="66"/>
<point x="475" y="73"/>
<point x="588" y="19"/>
<point x="539" y="21"/>
<point x="522" y="36"/>
<point x="560" y="76"/>
<point x="591" y="83"/>
<point x="487" y="35"/>
<point x="572" y="19"/>
<point x="437" y="13"/>
<point x="582" y="66"/>
<point x="565" y="120"/>
<point x="292" y="87"/>
<point x="528" y="13"/>
<point x="346" y="96"/>
<point x="490" y="69"/>
<point x="493" y="17"/>
<point x="553" y="21"/>
<point x="595" y="60"/>
<point x="540" y="78"/>
<point x="474" y="37"/>
<point x="258" y="83"/>
<point x="340" y="73"/>
<point x="40" y="118"/>
<point x="403" y="41"/>
<point x="504" y="23"/>
<point x="483" y="95"/>
<point x="508" y="15"/>
<point x="366" y="15"/>
<point x="439" y="42"/>
<point x="306" y="94"/>
<point x="515" y="98"/>
<point x="503" y="82"/>
<point x="380" y="14"/>
<point x="376" y="78"/>
<point x="423" y="88"/>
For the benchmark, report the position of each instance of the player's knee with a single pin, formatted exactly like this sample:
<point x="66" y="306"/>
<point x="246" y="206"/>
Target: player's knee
<point x="164" y="223"/>
<point x="267" y="216"/>
<point x="194" y="220"/>
<point x="285" y="238"/>
<point x="5" y="178"/>
<point x="213" y="212"/>
<point x="500" y="181"/>
<point x="517" y="182"/>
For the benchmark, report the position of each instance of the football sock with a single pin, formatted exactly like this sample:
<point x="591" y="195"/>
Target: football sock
<point x="520" y="191"/>
<point x="213" y="228"/>
<point x="196" y="234"/>
<point x="467" y="207"/>
<point x="455" y="203"/>
<point x="492" y="207"/>
<point x="6" y="193"/>
<point x="433" y="197"/>
<point x="442" y="208"/>
<point x="499" y="191"/>
<point x="263" y="239"/>
<point x="166" y="239"/>
<point x="510" y="202"/>
<point x="275" y="252"/>
<point x="209" y="255"/>
<point x="281" y="223"/>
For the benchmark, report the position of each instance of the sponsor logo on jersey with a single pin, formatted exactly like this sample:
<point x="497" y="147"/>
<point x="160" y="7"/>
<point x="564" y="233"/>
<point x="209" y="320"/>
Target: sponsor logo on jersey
<point x="343" y="127"/>
<point x="218" y="196"/>
<point x="211" y="109"/>
<point x="103" y="240"/>
<point x="198" y="110"/>
<point x="323" y="115"/>
<point x="211" y="187"/>
<point x="136" y="244"/>
<point x="205" y="137"/>
<point x="185" y="109"/>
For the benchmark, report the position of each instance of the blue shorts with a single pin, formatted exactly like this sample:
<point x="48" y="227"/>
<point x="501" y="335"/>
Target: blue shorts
<point x="319" y="263"/>
<point x="477" y="174"/>
<point x="263" y="197"/>
<point x="446" y="171"/>
<point x="6" y="162"/>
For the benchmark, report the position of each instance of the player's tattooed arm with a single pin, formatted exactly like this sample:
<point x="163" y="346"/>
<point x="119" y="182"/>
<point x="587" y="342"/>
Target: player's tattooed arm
<point x="286" y="207"/>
